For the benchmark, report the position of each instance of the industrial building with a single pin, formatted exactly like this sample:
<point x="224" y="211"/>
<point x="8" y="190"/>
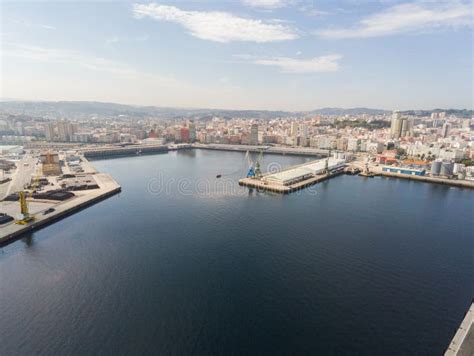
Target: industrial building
<point x="290" y="176"/>
<point x="51" y="166"/>
<point x="332" y="164"/>
<point x="304" y="172"/>
<point x="404" y="170"/>
<point x="442" y="168"/>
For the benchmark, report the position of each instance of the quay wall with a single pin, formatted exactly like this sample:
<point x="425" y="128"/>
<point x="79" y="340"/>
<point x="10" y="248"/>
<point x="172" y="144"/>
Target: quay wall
<point x="264" y="149"/>
<point x="60" y="213"/>
<point x="451" y="182"/>
<point x="126" y="151"/>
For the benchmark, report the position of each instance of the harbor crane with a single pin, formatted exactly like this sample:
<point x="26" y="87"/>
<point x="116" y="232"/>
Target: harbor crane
<point x="25" y="214"/>
<point x="251" y="171"/>
<point x="258" y="171"/>
<point x="26" y="217"/>
<point x="254" y="170"/>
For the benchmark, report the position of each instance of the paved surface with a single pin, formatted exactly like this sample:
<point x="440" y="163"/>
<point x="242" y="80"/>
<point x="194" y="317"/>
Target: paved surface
<point x="107" y="186"/>
<point x="428" y="179"/>
<point x="21" y="176"/>
<point x="463" y="341"/>
<point x="265" y="148"/>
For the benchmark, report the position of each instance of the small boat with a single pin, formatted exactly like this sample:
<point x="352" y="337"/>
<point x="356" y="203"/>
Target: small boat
<point x="219" y="175"/>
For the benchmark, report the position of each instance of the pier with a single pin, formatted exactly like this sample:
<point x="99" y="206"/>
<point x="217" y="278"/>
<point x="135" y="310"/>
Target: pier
<point x="428" y="179"/>
<point x="285" y="189"/>
<point x="117" y="151"/>
<point x="78" y="192"/>
<point x="463" y="341"/>
<point x="296" y="177"/>
<point x="296" y="151"/>
<point x="107" y="187"/>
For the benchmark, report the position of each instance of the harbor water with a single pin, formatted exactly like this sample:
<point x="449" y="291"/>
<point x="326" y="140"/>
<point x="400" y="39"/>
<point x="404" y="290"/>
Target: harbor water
<point x="182" y="262"/>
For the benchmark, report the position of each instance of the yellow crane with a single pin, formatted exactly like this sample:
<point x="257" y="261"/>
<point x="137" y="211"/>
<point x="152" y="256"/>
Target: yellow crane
<point x="26" y="217"/>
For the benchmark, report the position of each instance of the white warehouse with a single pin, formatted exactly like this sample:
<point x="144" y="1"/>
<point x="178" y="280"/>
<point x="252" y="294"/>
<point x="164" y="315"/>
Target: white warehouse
<point x="303" y="172"/>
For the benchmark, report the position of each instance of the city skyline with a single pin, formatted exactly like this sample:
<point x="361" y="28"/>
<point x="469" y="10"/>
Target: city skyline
<point x="262" y="55"/>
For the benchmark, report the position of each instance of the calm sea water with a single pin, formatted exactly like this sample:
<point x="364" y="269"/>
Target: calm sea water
<point x="183" y="263"/>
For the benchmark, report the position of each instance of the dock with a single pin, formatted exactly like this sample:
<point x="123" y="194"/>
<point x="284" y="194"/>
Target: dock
<point x="116" y="151"/>
<point x="296" y="177"/>
<point x="285" y="189"/>
<point x="45" y="211"/>
<point x="107" y="187"/>
<point x="277" y="150"/>
<point x="428" y="179"/>
<point x="463" y="341"/>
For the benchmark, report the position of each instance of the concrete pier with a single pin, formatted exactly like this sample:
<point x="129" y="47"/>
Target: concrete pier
<point x="104" y="152"/>
<point x="107" y="187"/>
<point x="296" y="151"/>
<point x="285" y="189"/>
<point x="428" y="179"/>
<point x="463" y="341"/>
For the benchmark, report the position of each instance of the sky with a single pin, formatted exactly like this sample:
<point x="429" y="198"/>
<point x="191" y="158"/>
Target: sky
<point x="240" y="54"/>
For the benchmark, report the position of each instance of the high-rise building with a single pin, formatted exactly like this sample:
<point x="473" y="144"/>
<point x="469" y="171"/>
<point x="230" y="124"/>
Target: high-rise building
<point x="400" y="126"/>
<point x="407" y="127"/>
<point x="192" y="132"/>
<point x="66" y="130"/>
<point x="396" y="127"/>
<point x="49" y="131"/>
<point x="304" y="135"/>
<point x="184" y="134"/>
<point x="63" y="131"/>
<point x="254" y="134"/>
<point x="294" y="129"/>
<point x="445" y="130"/>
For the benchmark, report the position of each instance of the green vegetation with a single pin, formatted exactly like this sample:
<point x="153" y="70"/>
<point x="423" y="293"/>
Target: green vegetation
<point x="373" y="125"/>
<point x="400" y="152"/>
<point x="467" y="162"/>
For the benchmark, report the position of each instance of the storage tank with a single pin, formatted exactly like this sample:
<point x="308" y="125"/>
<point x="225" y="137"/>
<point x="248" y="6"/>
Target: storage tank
<point x="436" y="168"/>
<point x="446" y="169"/>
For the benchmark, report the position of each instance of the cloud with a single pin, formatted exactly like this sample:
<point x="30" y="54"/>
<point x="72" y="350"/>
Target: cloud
<point x="29" y="24"/>
<point x="54" y="55"/>
<point x="266" y="4"/>
<point x="217" y="26"/>
<point x="311" y="10"/>
<point x="110" y="42"/>
<point x="48" y="27"/>
<point x="409" y="17"/>
<point x="328" y="63"/>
